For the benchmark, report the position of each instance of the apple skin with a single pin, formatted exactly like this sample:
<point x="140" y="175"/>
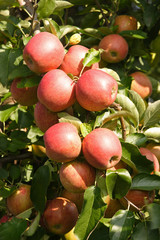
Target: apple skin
<point x="26" y="96"/>
<point x="77" y="176"/>
<point x="102" y="148"/>
<point x="96" y="90"/>
<point x="20" y="200"/>
<point x="155" y="149"/>
<point x="150" y="156"/>
<point x="43" y="117"/>
<point x="113" y="205"/>
<point x="139" y="198"/>
<point x="72" y="62"/>
<point x="60" y="215"/>
<point x="43" y="52"/>
<point x="115" y="48"/>
<point x="125" y="23"/>
<point x="141" y="84"/>
<point x="62" y="142"/>
<point x="56" y="91"/>
<point x="76" y="198"/>
<point x="4" y="219"/>
<point x="39" y="150"/>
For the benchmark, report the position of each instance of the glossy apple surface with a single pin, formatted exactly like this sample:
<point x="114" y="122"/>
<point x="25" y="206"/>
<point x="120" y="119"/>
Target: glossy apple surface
<point x="77" y="198"/>
<point x="62" y="142"/>
<point x="113" y="205"/>
<point x="72" y="62"/>
<point x="141" y="84"/>
<point x="102" y="148"/>
<point x="115" y="48"/>
<point x="60" y="215"/>
<point x="155" y="149"/>
<point x="26" y="96"/>
<point x="150" y="156"/>
<point x="125" y="23"/>
<point x="20" y="200"/>
<point x="77" y="176"/>
<point x="43" y="52"/>
<point x="43" y="117"/>
<point x="56" y="91"/>
<point x="96" y="90"/>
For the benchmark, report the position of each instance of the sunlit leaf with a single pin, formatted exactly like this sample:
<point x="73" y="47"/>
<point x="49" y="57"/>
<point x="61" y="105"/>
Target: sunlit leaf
<point x="144" y="181"/>
<point x="152" y="114"/>
<point x="45" y="8"/>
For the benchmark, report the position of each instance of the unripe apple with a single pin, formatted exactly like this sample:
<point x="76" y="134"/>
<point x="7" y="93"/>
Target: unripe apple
<point x="60" y="215"/>
<point x="155" y="149"/>
<point x="62" y="142"/>
<point x="141" y="84"/>
<point x="20" y="200"/>
<point x="38" y="150"/>
<point x="43" y="117"/>
<point x="26" y="96"/>
<point x="96" y="90"/>
<point x="125" y="23"/>
<point x="139" y="198"/>
<point x="102" y="148"/>
<point x="77" y="198"/>
<point x="77" y="176"/>
<point x="72" y="62"/>
<point x="150" y="156"/>
<point x="115" y="48"/>
<point x="43" y="52"/>
<point x="56" y="91"/>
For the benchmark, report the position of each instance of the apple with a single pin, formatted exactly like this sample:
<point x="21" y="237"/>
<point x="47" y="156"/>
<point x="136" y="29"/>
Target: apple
<point x="39" y="150"/>
<point x="60" y="215"/>
<point x="26" y="96"/>
<point x="102" y="148"/>
<point x="77" y="198"/>
<point x="72" y="62"/>
<point x="56" y="90"/>
<point x="20" y="200"/>
<point x="62" y="142"/>
<point x="139" y="198"/>
<point x="96" y="90"/>
<point x="113" y="205"/>
<point x="4" y="219"/>
<point x="43" y="52"/>
<point x="43" y="117"/>
<point x="77" y="176"/>
<point x="141" y="84"/>
<point x="115" y="48"/>
<point x="150" y="156"/>
<point x="125" y="23"/>
<point x="155" y="149"/>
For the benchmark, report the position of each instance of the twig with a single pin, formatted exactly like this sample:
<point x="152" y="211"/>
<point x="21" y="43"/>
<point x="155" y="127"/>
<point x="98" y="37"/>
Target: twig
<point x="12" y="158"/>
<point x="100" y="8"/>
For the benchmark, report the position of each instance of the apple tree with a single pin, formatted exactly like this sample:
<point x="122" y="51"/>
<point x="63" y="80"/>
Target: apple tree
<point x="79" y="119"/>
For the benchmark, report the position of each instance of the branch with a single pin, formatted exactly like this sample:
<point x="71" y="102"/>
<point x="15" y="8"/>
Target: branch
<point x="104" y="16"/>
<point x="11" y="158"/>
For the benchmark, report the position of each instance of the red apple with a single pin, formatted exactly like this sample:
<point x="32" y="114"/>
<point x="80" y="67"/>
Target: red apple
<point x="150" y="156"/>
<point x="43" y="52"/>
<point x="125" y="23"/>
<point x="20" y="200"/>
<point x="43" y="117"/>
<point x="4" y="219"/>
<point x="60" y="215"/>
<point x="141" y="84"/>
<point x="102" y="148"/>
<point x="96" y="90"/>
<point x="56" y="91"/>
<point x="139" y="198"/>
<point x="113" y="205"/>
<point x="72" y="62"/>
<point x="77" y="198"/>
<point x="62" y="142"/>
<point x="115" y="48"/>
<point x="154" y="148"/>
<point x="77" y="176"/>
<point x="26" y="96"/>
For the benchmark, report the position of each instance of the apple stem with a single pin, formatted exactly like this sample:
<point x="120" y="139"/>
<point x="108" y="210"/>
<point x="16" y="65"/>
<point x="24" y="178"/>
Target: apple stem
<point x="132" y="204"/>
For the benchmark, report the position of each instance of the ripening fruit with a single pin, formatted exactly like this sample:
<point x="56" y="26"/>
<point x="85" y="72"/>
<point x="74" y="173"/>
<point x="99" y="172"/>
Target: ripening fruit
<point x="75" y="39"/>
<point x="125" y="23"/>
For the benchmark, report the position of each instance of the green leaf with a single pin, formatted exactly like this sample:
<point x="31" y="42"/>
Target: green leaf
<point x="45" y="8"/>
<point x="60" y="5"/>
<point x="134" y="34"/>
<point x="6" y="192"/>
<point x="92" y="211"/>
<point x="20" y="71"/>
<point x="7" y="3"/>
<point x="136" y="138"/>
<point x="13" y="229"/>
<point x="142" y="231"/>
<point x="6" y="111"/>
<point x="14" y="172"/>
<point x="34" y="133"/>
<point x="40" y="182"/>
<point x="29" y="81"/>
<point x="3" y="173"/>
<point x="152" y="114"/>
<point x="129" y="106"/>
<point x="67" y="29"/>
<point x="51" y="26"/>
<point x="139" y="103"/>
<point x="113" y="73"/>
<point x="33" y="227"/>
<point x="154" y="212"/>
<point x="65" y="117"/>
<point x="144" y="181"/>
<point x="121" y="225"/>
<point x="85" y="129"/>
<point x="153" y="132"/>
<point x="100" y="118"/>
<point x="91" y="57"/>
<point x="118" y="183"/>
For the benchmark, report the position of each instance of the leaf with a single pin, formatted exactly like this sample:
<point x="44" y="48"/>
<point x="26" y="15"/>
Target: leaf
<point x="40" y="182"/>
<point x="91" y="57"/>
<point x="3" y="173"/>
<point x="113" y="73"/>
<point x="20" y="71"/>
<point x="14" y="172"/>
<point x="152" y="114"/>
<point x="118" y="183"/>
<point x="134" y="34"/>
<point x="129" y="106"/>
<point x="100" y="118"/>
<point x="65" y="117"/>
<point x="6" y="111"/>
<point x="60" y="5"/>
<point x="121" y="225"/>
<point x="153" y="132"/>
<point x="67" y="29"/>
<point x="45" y="8"/>
<point x="139" y="103"/>
<point x="92" y="211"/>
<point x="136" y="138"/>
<point x="85" y="129"/>
<point x="34" y="133"/>
<point x="13" y="229"/>
<point x="7" y="3"/>
<point x="6" y="192"/>
<point x="33" y="227"/>
<point x="147" y="182"/>
<point x="154" y="213"/>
